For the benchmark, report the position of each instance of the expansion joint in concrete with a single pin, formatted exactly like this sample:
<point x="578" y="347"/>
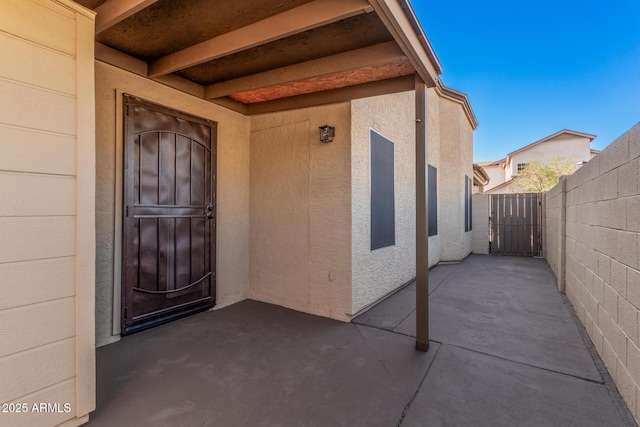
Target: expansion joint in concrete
<point x="406" y="408"/>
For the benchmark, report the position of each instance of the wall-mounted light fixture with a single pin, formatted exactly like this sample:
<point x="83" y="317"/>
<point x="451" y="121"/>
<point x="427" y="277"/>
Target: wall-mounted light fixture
<point x="327" y="133"/>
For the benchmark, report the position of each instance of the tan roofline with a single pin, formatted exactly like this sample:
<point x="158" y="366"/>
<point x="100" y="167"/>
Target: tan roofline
<point x="595" y="151"/>
<point x="400" y="20"/>
<point x="413" y="19"/>
<point x="444" y="91"/>
<point x="460" y="98"/>
<point x="491" y="163"/>
<point x="545" y="139"/>
<point x="504" y="184"/>
<point x="481" y="174"/>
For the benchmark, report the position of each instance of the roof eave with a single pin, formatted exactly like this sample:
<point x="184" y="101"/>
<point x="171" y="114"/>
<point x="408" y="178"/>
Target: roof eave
<point x="399" y="18"/>
<point x="461" y="99"/>
<point x="547" y="138"/>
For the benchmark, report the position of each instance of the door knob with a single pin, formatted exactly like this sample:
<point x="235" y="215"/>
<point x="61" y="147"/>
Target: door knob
<point x="211" y="215"/>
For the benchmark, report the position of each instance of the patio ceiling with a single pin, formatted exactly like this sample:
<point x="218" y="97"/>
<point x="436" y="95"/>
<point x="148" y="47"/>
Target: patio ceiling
<point x="258" y="56"/>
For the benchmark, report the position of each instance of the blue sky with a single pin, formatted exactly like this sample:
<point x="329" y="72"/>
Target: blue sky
<point x="531" y="69"/>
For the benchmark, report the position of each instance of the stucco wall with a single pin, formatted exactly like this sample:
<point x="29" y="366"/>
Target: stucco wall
<point x="433" y="157"/>
<point x="602" y="250"/>
<point x="456" y="161"/>
<point x="301" y="211"/>
<point x="496" y="176"/>
<point x="480" y="218"/>
<point x="565" y="146"/>
<point x="376" y="273"/>
<point x="47" y="248"/>
<point x="232" y="190"/>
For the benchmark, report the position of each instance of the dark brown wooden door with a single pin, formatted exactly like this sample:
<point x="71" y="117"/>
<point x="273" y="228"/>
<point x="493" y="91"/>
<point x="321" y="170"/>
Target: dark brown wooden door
<point x="169" y="215"/>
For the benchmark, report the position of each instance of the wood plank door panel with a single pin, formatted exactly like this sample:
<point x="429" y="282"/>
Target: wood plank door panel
<point x="169" y="216"/>
<point x="515" y="224"/>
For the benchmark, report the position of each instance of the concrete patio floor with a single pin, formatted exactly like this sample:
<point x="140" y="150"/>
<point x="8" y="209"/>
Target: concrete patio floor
<point x="506" y="350"/>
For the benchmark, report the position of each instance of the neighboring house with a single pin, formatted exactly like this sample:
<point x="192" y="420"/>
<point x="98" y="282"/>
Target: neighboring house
<point x="480" y="179"/>
<point x="567" y="144"/>
<point x="148" y="174"/>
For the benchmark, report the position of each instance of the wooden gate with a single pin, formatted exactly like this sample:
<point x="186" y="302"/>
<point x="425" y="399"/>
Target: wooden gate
<point x="516" y="224"/>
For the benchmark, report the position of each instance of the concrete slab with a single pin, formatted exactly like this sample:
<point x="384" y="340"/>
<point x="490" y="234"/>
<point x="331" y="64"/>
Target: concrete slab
<point x="509" y="354"/>
<point x="508" y="307"/>
<point x="257" y="364"/>
<point x="466" y="388"/>
<point x="400" y="359"/>
<point x="395" y="309"/>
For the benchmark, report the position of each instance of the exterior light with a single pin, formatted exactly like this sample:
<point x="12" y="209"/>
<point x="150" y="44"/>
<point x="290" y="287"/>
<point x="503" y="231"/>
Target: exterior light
<point x="327" y="133"/>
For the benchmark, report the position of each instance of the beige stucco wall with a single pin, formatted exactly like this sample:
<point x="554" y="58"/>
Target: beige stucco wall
<point x="565" y="146"/>
<point x="480" y="218"/>
<point x="310" y="202"/>
<point x="496" y="176"/>
<point x="232" y="190"/>
<point x="602" y="251"/>
<point x="47" y="249"/>
<point x="378" y="272"/>
<point x="456" y="161"/>
<point x="433" y="158"/>
<point x="301" y="211"/>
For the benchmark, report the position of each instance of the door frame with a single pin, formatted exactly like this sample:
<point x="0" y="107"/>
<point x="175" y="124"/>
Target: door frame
<point x="126" y="194"/>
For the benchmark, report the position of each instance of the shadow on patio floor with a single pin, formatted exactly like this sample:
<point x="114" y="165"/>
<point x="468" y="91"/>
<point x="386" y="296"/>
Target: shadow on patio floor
<point x="505" y="351"/>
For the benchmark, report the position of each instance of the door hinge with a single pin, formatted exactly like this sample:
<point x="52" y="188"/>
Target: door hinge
<point x="127" y="112"/>
<point x="125" y="313"/>
<point x="127" y="212"/>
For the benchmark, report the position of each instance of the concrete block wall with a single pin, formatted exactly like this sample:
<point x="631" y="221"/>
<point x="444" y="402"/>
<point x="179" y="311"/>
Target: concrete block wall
<point x="592" y="243"/>
<point x="554" y="229"/>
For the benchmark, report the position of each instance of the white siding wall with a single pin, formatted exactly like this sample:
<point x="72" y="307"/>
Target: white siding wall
<point x="47" y="173"/>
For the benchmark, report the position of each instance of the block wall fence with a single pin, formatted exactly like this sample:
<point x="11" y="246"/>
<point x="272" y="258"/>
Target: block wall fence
<point x="592" y="244"/>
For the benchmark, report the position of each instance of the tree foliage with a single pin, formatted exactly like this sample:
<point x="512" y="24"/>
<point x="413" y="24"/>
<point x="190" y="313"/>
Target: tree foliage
<point x="537" y="177"/>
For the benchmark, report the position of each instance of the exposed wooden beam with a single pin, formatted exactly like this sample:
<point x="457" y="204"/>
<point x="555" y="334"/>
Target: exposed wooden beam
<point x="404" y="32"/>
<point x="111" y="12"/>
<point x="383" y="53"/>
<point x="182" y="84"/>
<point x="134" y="65"/>
<point x="119" y="59"/>
<point x="382" y="87"/>
<point x="308" y="16"/>
<point x="231" y="104"/>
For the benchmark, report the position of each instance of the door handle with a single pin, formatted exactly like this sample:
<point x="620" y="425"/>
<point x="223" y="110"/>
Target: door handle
<point x="211" y="215"/>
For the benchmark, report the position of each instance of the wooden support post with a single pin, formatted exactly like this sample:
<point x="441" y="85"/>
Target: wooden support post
<point x="422" y="220"/>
